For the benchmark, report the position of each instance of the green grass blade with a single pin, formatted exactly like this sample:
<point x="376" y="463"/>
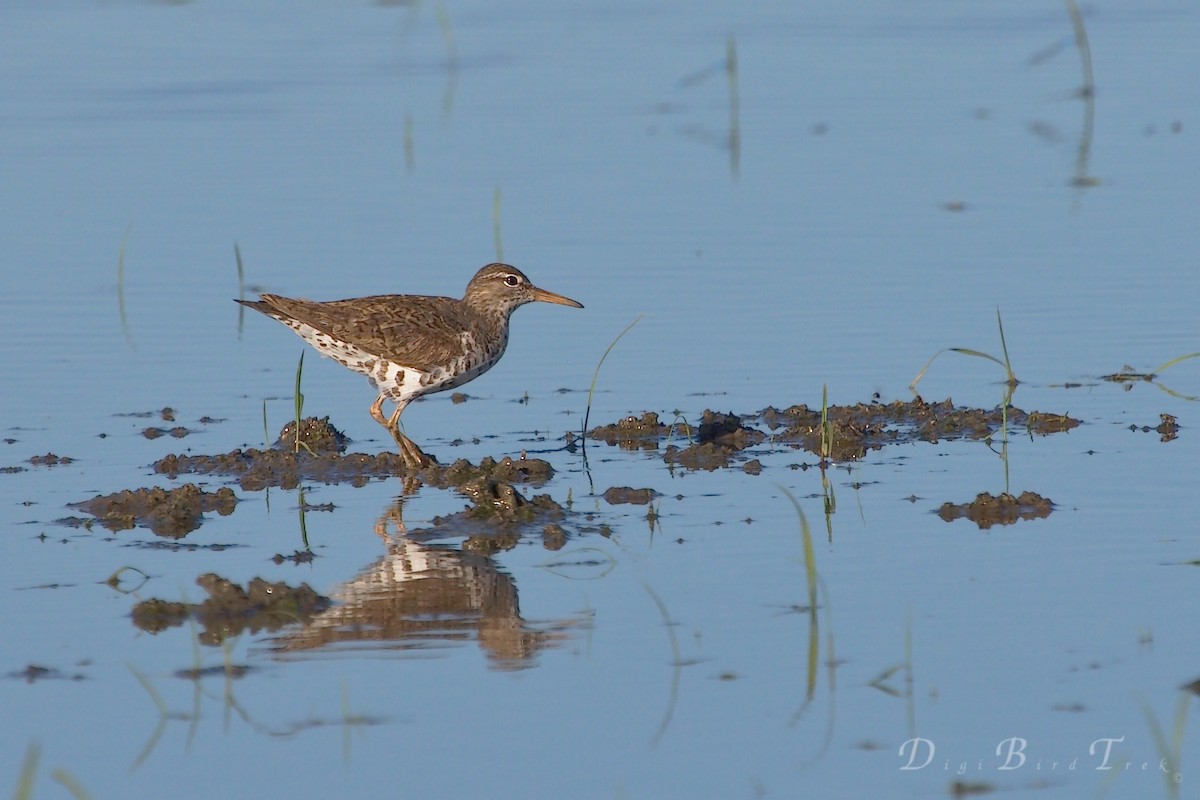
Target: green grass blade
<point x="596" y="374"/>
<point x="304" y="522"/>
<point x="410" y="158"/>
<point x="29" y="765"/>
<point x="668" y="624"/>
<point x="812" y="581"/>
<point x="299" y="400"/>
<point x="966" y="351"/>
<point x="70" y="783"/>
<point x="678" y="419"/>
<point x="1085" y="50"/>
<point x="1012" y="379"/>
<point x="446" y="26"/>
<point x="150" y="690"/>
<point x="826" y="427"/>
<point x="677" y="664"/>
<point x="241" y="273"/>
<point x="121" y="286"/>
<point x="912" y="387"/>
<point x="1175" y="361"/>
<point x="810" y="557"/>
<point x="735" y="124"/>
<point x="1170" y="752"/>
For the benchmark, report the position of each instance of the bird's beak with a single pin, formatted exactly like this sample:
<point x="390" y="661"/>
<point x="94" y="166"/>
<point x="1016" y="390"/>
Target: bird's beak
<point x="551" y="297"/>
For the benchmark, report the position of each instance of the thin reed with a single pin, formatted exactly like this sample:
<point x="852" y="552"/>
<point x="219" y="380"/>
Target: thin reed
<point x="596" y="374"/>
<point x="966" y="351"/>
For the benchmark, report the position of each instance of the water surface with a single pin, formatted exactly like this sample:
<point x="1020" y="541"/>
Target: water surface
<point x="793" y="197"/>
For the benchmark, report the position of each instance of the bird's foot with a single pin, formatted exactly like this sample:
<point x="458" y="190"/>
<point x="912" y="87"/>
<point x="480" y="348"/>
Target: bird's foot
<point x="413" y="456"/>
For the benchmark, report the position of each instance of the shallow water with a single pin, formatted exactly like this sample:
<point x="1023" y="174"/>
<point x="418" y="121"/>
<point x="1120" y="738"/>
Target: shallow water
<point x="900" y="172"/>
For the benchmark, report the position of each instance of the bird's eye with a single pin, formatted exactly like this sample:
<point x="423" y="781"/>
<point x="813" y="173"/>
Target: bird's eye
<point x="512" y="280"/>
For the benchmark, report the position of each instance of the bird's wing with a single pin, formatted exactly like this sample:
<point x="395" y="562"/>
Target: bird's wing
<point x="413" y="334"/>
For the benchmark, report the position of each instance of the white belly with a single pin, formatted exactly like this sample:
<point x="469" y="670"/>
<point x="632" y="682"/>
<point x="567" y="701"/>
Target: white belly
<point x="399" y="382"/>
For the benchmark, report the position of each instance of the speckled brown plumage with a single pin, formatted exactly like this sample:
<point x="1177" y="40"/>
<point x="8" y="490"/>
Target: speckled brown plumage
<point x="412" y="345"/>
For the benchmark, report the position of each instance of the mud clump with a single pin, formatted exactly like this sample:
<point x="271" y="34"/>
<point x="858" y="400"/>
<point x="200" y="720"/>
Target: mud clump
<point x="496" y="520"/>
<point x="621" y="495"/>
<point x="316" y="435"/>
<point x="171" y="513"/>
<point x="554" y="536"/>
<point x="855" y="430"/>
<point x="632" y="433"/>
<point x="719" y="438"/>
<point x="850" y="432"/>
<point x="727" y="430"/>
<point x="533" y="471"/>
<point x="699" y="456"/>
<point x="257" y="469"/>
<point x="987" y="510"/>
<point x="494" y="500"/>
<point x="842" y="433"/>
<point x="497" y="517"/>
<point x="500" y="504"/>
<point x="177" y="432"/>
<point x="50" y="460"/>
<point x="487" y="544"/>
<point x="1045" y="424"/>
<point x="321" y="460"/>
<point x="1167" y="429"/>
<point x="231" y="610"/>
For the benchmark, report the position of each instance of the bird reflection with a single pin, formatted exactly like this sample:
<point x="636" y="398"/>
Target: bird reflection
<point x="418" y="598"/>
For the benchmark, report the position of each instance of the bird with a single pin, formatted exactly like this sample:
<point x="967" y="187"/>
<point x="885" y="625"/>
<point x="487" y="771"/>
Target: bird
<point x="413" y="345"/>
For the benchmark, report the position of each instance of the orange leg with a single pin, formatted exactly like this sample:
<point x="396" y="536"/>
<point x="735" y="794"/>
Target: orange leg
<point x="377" y="411"/>
<point x="408" y="449"/>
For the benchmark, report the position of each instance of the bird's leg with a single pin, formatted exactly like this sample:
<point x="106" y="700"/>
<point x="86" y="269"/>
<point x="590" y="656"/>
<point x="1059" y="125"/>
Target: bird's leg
<point x="408" y="448"/>
<point x="377" y="411"/>
<point x="411" y="454"/>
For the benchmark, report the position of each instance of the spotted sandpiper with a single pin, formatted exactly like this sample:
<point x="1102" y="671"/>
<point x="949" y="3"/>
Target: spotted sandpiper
<point x="412" y="345"/>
